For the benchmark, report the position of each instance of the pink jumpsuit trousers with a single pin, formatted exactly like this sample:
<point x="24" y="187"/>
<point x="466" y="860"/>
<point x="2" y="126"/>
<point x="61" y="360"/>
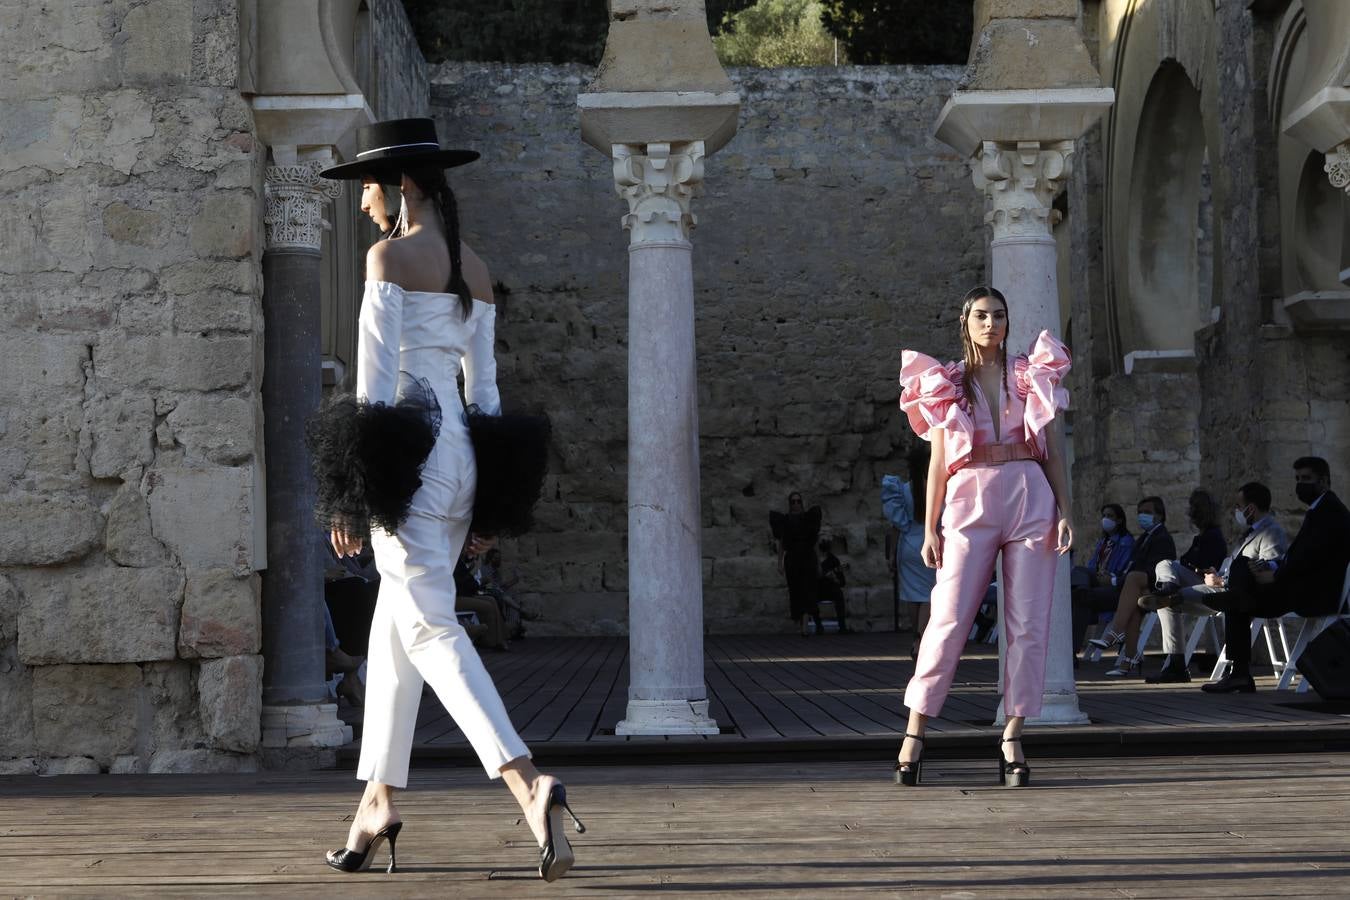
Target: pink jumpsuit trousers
<point x="990" y="507"/>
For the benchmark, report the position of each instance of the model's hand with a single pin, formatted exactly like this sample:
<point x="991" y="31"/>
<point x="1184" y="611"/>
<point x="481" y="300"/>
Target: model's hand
<point x="478" y="544"/>
<point x="344" y="544"/>
<point x="1064" y="533"/>
<point x="932" y="551"/>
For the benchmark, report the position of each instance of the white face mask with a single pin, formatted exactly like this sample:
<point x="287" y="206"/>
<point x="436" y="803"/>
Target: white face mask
<point x="1241" y="517"/>
<point x="1108" y="525"/>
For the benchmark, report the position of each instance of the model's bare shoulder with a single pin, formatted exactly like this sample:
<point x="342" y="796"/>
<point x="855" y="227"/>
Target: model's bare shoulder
<point x="476" y="274"/>
<point x="388" y="261"/>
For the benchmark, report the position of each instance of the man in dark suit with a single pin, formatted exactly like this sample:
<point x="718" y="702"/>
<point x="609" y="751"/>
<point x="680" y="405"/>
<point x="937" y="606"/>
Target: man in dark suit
<point x="1307" y="581"/>
<point x="1153" y="545"/>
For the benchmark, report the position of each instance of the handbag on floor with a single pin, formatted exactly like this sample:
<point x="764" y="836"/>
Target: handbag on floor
<point x="1325" y="662"/>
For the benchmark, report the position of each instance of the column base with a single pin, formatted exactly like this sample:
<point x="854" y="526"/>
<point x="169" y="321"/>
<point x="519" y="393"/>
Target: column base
<point x="303" y="726"/>
<point x="1056" y="709"/>
<point x="662" y="717"/>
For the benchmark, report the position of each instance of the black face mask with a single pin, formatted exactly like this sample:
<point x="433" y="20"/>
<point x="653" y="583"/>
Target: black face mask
<point x="1306" y="492"/>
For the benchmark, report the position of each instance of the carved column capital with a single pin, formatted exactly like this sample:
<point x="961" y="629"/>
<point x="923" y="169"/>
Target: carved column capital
<point x="296" y="196"/>
<point x="1338" y="166"/>
<point x="1021" y="180"/>
<point x="659" y="182"/>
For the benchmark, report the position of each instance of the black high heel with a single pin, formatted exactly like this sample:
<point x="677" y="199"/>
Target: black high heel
<point x="556" y="856"/>
<point x="907" y="773"/>
<point x="1015" y="773"/>
<point x="345" y="860"/>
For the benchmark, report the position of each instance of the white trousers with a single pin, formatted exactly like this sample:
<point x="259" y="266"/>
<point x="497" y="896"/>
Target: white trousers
<point x="415" y="637"/>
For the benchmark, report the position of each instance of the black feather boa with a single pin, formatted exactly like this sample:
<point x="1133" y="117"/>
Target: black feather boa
<point x="367" y="457"/>
<point x="512" y="456"/>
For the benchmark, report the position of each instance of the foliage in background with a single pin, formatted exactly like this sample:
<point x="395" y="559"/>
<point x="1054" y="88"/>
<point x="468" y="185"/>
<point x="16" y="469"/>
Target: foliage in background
<point x="520" y="31"/>
<point x="913" y="32"/>
<point x="774" y="33"/>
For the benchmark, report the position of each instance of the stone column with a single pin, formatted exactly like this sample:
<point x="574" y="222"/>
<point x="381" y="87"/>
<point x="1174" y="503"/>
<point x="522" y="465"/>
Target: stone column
<point x="1021" y="180"/>
<point x="666" y="693"/>
<point x="296" y="714"/>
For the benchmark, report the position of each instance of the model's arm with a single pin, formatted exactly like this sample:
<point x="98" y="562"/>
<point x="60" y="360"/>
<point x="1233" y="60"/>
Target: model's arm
<point x="1056" y="474"/>
<point x="937" y="496"/>
<point x="380" y="327"/>
<point x="480" y="358"/>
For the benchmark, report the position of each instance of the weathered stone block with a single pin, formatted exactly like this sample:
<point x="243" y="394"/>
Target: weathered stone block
<point x="86" y="710"/>
<point x="127" y="225"/>
<point x="129" y="540"/>
<point x="16" y="705"/>
<point x="174" y="362"/>
<point x="169" y="690"/>
<point x="69" y="765"/>
<point x="222" y="615"/>
<point x="226" y="225"/>
<point x="204" y="514"/>
<point x="109" y="615"/>
<point x="23" y="766"/>
<point x="216" y="310"/>
<point x="117" y="434"/>
<point x="159" y="41"/>
<point x="40" y="368"/>
<point x="55" y="529"/>
<point x="230" y="692"/>
<point x="216" y="429"/>
<point x="201" y="761"/>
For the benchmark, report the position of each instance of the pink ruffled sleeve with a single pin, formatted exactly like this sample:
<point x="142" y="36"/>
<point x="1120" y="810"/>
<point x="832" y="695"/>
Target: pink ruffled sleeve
<point x="931" y="398"/>
<point x="1039" y="377"/>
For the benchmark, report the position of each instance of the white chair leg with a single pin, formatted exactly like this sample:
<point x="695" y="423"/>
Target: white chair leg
<point x="1145" y="632"/>
<point x="1311" y="629"/>
<point x="1221" y="667"/>
<point x="1198" y="631"/>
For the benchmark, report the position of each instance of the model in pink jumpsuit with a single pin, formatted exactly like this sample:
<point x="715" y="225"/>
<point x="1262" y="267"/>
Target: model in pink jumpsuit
<point x="997" y="499"/>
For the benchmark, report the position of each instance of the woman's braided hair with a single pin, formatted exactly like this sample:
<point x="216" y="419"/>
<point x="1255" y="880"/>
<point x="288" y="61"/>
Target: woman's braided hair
<point x="432" y="183"/>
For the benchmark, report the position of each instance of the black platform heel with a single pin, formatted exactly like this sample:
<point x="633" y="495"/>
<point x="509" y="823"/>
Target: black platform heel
<point x="1015" y="773"/>
<point x="556" y="856"/>
<point x="907" y="773"/>
<point x="345" y="860"/>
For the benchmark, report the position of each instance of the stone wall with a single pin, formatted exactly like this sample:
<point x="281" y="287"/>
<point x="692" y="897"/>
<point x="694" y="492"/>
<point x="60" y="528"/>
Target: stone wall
<point x="834" y="230"/>
<point x="130" y="349"/>
<point x="398" y="86"/>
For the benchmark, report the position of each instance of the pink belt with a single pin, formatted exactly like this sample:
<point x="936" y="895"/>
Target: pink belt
<point x="998" y="454"/>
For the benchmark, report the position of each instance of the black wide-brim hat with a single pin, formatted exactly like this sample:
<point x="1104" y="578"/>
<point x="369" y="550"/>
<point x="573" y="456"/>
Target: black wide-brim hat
<point x="385" y="150"/>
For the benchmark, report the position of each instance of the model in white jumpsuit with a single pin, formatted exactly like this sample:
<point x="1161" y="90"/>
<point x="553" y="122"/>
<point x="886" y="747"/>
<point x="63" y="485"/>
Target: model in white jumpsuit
<point x="415" y="636"/>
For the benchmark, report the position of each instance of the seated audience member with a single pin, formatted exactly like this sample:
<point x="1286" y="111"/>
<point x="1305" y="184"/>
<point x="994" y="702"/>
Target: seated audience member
<point x="469" y="597"/>
<point x="1109" y="560"/>
<point x="1153" y="545"/>
<point x="832" y="583"/>
<point x="1306" y="581"/>
<point x="494" y="583"/>
<point x="1180" y="590"/>
<point x="1206" y="551"/>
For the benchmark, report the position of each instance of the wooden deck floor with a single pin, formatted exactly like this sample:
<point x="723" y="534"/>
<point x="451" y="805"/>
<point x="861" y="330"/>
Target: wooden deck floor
<point x="1185" y="827"/>
<point x="845" y="691"/>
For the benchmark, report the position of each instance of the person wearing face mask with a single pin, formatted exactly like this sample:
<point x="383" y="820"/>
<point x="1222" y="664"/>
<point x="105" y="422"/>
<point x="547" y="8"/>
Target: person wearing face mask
<point x="1306" y="580"/>
<point x="1153" y="545"/>
<point x="1110" y="557"/>
<point x="1180" y="590"/>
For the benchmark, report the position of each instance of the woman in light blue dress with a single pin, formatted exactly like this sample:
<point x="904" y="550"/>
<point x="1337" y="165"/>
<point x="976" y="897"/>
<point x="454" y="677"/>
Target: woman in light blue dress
<point x="902" y="501"/>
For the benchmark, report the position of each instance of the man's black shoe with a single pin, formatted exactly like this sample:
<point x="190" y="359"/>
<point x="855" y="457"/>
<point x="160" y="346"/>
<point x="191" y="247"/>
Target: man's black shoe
<point x="1166" y="588"/>
<point x="1156" y="601"/>
<point x="1169" y="675"/>
<point x="1231" y="684"/>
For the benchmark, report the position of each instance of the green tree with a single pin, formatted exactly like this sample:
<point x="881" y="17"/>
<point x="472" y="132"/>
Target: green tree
<point x="520" y="31"/>
<point x="774" y="33"/>
<point x="915" y="32"/>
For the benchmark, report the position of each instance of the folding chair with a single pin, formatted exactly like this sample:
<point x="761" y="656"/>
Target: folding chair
<point x="1307" y="630"/>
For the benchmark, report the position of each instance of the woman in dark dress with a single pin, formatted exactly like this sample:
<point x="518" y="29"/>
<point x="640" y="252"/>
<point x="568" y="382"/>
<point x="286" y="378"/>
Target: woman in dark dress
<point x="795" y="533"/>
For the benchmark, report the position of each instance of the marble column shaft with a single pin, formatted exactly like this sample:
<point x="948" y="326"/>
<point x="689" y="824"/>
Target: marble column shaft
<point x="1021" y="181"/>
<point x="292" y="585"/>
<point x="666" y="694"/>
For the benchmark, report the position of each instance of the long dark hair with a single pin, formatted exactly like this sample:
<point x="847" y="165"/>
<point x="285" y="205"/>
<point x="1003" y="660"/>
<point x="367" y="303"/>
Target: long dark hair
<point x="1118" y="511"/>
<point x="431" y="182"/>
<point x="918" y="459"/>
<point x="968" y="346"/>
<point x="1204" y="509"/>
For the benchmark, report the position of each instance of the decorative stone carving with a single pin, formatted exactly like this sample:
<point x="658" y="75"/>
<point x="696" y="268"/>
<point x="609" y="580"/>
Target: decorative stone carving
<point x="295" y="199"/>
<point x="1022" y="181"/>
<point x="1338" y="166"/>
<point x="659" y="182"/>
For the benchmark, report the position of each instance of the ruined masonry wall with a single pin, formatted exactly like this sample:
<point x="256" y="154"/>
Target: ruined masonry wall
<point x="130" y="351"/>
<point x="833" y="231"/>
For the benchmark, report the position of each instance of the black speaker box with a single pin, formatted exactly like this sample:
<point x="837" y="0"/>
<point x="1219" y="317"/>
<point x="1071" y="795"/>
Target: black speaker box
<point x="1326" y="662"/>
